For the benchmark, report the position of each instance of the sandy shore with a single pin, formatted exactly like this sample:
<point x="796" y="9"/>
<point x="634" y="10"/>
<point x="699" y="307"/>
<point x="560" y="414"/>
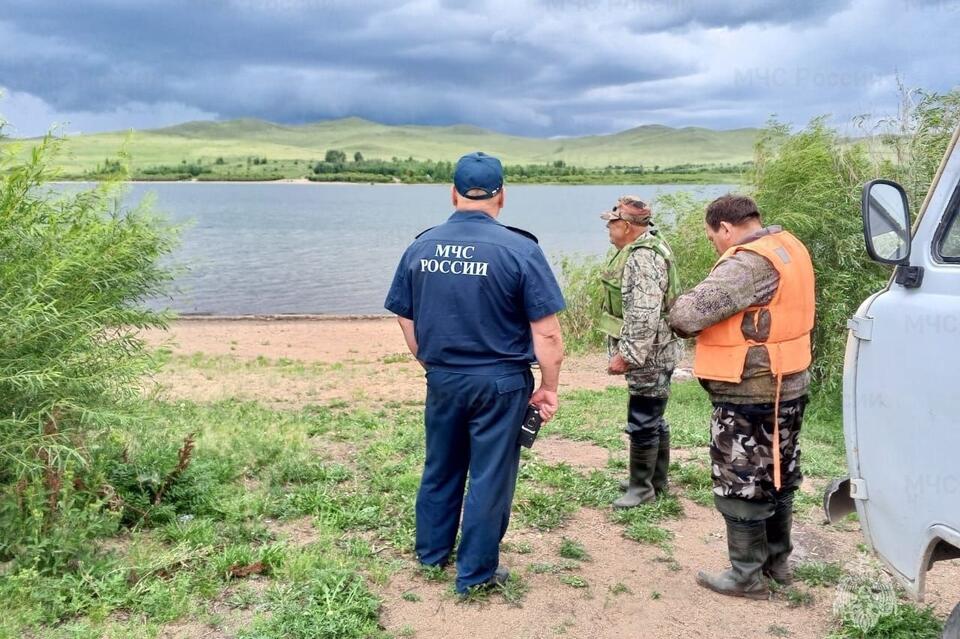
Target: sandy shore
<point x="364" y="359"/>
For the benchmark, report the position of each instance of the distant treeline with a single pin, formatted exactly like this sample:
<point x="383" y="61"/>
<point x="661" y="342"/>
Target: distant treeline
<point x="335" y="167"/>
<point x="426" y="171"/>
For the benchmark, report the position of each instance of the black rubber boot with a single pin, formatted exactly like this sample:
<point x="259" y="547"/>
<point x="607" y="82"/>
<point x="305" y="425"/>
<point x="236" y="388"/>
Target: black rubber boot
<point x="747" y="545"/>
<point x="660" y="471"/>
<point x="643" y="460"/>
<point x="779" y="545"/>
<point x="644" y="426"/>
<point x="662" y="467"/>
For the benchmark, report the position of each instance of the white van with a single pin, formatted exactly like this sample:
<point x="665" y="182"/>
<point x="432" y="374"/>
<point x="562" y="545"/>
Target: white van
<point x="901" y="399"/>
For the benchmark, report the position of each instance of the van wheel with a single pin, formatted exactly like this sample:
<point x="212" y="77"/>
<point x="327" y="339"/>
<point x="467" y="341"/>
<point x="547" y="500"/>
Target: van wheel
<point x="951" y="629"/>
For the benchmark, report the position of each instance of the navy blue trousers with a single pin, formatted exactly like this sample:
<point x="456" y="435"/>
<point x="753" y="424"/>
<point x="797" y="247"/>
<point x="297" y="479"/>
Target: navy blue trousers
<point x="472" y="428"/>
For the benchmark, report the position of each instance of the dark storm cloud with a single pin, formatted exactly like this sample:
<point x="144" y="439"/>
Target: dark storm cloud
<point x="644" y="16"/>
<point x="542" y="67"/>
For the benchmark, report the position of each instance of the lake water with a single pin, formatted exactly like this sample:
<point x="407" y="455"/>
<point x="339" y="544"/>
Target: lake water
<point x="332" y="249"/>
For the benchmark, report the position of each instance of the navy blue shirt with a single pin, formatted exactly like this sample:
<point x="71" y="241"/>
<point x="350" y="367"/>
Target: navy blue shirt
<point x="472" y="286"/>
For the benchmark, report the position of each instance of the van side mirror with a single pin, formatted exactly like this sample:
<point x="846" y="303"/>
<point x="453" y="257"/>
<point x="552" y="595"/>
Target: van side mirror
<point x="886" y="222"/>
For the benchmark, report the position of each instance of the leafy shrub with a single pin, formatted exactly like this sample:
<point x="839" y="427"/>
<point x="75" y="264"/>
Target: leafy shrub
<point x="810" y="183"/>
<point x="583" y="293"/>
<point x="74" y="271"/>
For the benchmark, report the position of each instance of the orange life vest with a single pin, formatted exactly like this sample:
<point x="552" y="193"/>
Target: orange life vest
<point x="722" y="348"/>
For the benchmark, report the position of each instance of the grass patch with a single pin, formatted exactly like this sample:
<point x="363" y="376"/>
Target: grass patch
<point x="254" y="468"/>
<point x="641" y="522"/>
<point x="907" y="621"/>
<point x="694" y="477"/>
<point x="435" y="574"/>
<point x="541" y="568"/>
<point x="573" y="549"/>
<point x="818" y="573"/>
<point x="330" y="602"/>
<point x="206" y="362"/>
<point x="797" y="598"/>
<point x="518" y="547"/>
<point x="574" y="581"/>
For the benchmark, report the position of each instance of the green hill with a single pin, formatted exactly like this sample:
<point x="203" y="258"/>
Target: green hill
<point x="236" y="140"/>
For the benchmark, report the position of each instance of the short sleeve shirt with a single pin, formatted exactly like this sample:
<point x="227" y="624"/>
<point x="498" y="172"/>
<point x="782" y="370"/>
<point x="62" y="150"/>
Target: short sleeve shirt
<point x="472" y="286"/>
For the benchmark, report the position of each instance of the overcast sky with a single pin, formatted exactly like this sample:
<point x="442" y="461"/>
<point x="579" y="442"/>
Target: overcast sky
<point x="530" y="67"/>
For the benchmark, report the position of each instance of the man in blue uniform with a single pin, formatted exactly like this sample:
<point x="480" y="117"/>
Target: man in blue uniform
<point x="477" y="304"/>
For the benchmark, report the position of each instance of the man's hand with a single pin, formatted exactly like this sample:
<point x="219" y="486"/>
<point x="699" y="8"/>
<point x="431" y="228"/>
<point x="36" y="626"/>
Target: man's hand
<point x="547" y="403"/>
<point x="617" y="365"/>
<point x="548" y="348"/>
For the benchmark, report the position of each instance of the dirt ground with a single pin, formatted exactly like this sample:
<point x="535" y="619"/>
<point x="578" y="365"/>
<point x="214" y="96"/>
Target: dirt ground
<point x="365" y="361"/>
<point x="632" y="590"/>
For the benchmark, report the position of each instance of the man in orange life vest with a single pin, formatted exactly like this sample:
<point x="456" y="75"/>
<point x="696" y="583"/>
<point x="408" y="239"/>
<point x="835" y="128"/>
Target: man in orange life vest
<point x="752" y="317"/>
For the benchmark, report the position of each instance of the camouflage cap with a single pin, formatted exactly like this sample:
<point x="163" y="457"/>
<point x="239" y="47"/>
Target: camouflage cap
<point x="630" y="208"/>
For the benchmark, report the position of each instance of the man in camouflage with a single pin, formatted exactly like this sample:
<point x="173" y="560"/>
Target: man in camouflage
<point x="757" y="511"/>
<point x="639" y="282"/>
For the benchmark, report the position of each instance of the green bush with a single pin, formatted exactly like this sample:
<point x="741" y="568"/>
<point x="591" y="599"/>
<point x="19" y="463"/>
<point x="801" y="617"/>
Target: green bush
<point x="583" y="293"/>
<point x="694" y="254"/>
<point x="912" y="144"/>
<point x="810" y="183"/>
<point x="164" y="479"/>
<point x="75" y="269"/>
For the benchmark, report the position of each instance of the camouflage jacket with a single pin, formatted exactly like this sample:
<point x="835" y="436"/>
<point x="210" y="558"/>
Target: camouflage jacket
<point x="743" y="280"/>
<point x="646" y="343"/>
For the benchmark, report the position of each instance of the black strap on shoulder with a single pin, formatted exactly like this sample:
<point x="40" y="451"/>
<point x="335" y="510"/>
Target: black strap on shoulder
<point x="422" y="232"/>
<point x="524" y="233"/>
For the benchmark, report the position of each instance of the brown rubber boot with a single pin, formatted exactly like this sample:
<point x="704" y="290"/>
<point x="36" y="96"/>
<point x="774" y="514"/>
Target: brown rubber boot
<point x="779" y="545"/>
<point x="747" y="545"/>
<point x="643" y="459"/>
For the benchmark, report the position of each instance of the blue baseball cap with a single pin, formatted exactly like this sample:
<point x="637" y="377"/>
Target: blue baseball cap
<point x="478" y="171"/>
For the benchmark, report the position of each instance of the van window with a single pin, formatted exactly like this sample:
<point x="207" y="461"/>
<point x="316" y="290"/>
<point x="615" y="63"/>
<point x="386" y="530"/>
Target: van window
<point x="948" y="248"/>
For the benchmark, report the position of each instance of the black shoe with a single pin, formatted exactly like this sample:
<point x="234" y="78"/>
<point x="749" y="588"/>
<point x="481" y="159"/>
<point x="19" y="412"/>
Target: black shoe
<point x="496" y="580"/>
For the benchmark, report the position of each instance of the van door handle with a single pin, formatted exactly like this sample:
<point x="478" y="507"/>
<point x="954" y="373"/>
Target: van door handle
<point x="861" y="327"/>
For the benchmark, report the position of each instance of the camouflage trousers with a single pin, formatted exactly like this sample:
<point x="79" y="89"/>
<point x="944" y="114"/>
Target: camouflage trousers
<point x="649" y="383"/>
<point x="741" y="445"/>
<point x="653" y="379"/>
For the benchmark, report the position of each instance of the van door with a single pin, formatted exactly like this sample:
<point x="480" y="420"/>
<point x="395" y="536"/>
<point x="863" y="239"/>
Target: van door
<point x="902" y="397"/>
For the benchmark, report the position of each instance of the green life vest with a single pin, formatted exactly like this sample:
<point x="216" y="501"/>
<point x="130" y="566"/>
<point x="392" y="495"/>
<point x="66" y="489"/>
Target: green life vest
<point x="611" y="319"/>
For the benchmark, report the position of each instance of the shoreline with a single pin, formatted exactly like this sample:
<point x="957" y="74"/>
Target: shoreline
<point x="304" y="181"/>
<point x="282" y="317"/>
